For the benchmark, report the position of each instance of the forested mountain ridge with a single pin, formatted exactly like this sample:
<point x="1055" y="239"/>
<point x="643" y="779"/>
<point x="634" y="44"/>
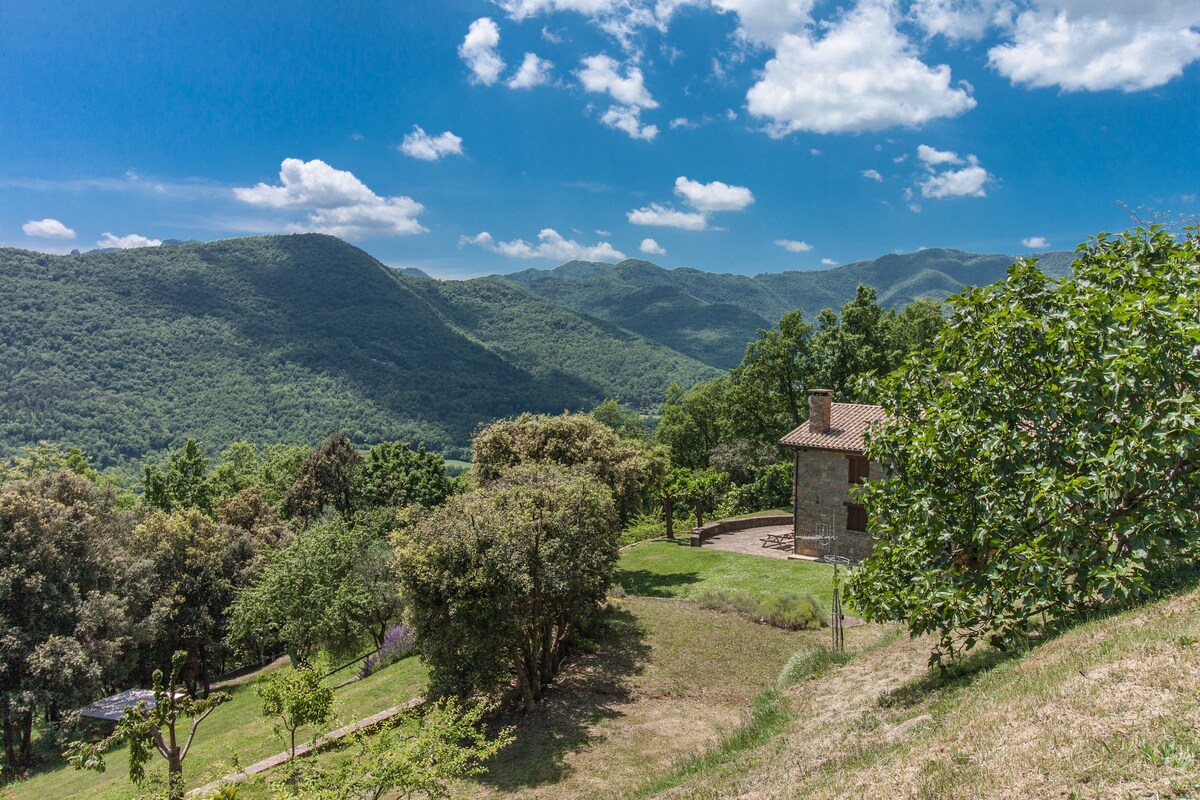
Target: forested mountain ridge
<point x="286" y="338"/>
<point x="274" y="339"/>
<point x="547" y="339"/>
<point x="705" y="314"/>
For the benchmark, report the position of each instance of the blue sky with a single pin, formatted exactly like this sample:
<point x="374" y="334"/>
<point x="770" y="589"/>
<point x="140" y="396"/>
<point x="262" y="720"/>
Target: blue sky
<point x="468" y="137"/>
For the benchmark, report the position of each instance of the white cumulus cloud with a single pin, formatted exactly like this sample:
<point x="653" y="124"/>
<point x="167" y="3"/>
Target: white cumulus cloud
<point x="715" y="196"/>
<point x="765" y="21"/>
<point x="933" y="156"/>
<point x="126" y="242"/>
<point x="629" y="120"/>
<point x="957" y="19"/>
<point x="478" y="51"/>
<point x="420" y="144"/>
<point x="862" y="75"/>
<point x="705" y="198"/>
<point x="965" y="182"/>
<point x="872" y="175"/>
<point x="522" y="9"/>
<point x="47" y="229"/>
<point x="652" y="247"/>
<point x="667" y="217"/>
<point x="534" y="71"/>
<point x="1036" y="242"/>
<point x="335" y="200"/>
<point x="828" y="262"/>
<point x="601" y="74"/>
<point x="1088" y="45"/>
<point x="793" y="245"/>
<point x="550" y="245"/>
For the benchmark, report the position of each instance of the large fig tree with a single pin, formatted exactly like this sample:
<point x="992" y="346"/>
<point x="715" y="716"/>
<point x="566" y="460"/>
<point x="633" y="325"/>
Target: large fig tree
<point x="1042" y="458"/>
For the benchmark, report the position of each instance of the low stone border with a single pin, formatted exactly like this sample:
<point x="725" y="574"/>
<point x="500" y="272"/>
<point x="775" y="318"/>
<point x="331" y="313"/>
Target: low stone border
<point x="737" y="524"/>
<point x="321" y="743"/>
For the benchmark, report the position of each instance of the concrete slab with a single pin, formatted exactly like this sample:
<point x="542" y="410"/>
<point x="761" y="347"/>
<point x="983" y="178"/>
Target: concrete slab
<point x="750" y="541"/>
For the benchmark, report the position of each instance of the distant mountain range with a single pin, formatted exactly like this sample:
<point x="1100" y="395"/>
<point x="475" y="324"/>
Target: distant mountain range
<point x="710" y="316"/>
<point x="288" y="338"/>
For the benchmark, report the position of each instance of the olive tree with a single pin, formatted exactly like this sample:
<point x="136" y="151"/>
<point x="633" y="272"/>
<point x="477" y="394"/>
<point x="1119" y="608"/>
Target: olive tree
<point x="1042" y="458"/>
<point x="499" y="581"/>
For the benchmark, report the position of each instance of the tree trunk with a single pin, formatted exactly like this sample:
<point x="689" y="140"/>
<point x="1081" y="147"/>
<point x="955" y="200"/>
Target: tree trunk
<point x="669" y="515"/>
<point x="10" y="739"/>
<point x="170" y="748"/>
<point x="25" y="730"/>
<point x="175" y="787"/>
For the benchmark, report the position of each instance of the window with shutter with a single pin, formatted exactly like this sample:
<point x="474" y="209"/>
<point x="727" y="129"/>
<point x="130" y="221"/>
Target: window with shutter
<point x="860" y="469"/>
<point x="856" y="517"/>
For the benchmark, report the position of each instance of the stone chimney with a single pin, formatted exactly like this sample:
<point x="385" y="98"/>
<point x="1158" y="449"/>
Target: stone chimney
<point x="820" y="406"/>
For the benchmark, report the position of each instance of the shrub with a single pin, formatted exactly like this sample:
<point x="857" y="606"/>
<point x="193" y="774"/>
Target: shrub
<point x="397" y="643"/>
<point x="641" y="528"/>
<point x="733" y="602"/>
<point x="791" y="611"/>
<point x="771" y="487"/>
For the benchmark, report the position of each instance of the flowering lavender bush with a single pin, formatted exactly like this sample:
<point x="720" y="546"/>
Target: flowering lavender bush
<point x="397" y="643"/>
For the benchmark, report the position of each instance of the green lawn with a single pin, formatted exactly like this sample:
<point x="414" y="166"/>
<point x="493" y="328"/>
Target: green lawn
<point x="668" y="569"/>
<point x="234" y="736"/>
<point x="454" y="467"/>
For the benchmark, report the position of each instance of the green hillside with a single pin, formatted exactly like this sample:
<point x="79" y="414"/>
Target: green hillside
<point x="710" y="316"/>
<point x="280" y="339"/>
<point x="548" y="340"/>
<point x="657" y="304"/>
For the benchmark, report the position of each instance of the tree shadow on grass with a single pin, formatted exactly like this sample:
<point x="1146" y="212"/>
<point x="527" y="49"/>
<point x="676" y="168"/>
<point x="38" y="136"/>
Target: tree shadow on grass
<point x="591" y="688"/>
<point x="644" y="583"/>
<point x="957" y="674"/>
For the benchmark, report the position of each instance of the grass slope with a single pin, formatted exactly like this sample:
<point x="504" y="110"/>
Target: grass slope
<point x="1106" y="710"/>
<point x="669" y="681"/>
<point x="236" y="735"/>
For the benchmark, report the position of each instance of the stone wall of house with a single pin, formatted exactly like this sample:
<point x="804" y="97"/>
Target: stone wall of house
<point x="823" y="488"/>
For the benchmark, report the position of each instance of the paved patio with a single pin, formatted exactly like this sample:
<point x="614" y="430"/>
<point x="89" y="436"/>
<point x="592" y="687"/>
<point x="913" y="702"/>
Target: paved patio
<point x="750" y="542"/>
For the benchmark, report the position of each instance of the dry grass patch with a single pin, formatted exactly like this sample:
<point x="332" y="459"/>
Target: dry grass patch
<point x="668" y="681"/>
<point x="1108" y="710"/>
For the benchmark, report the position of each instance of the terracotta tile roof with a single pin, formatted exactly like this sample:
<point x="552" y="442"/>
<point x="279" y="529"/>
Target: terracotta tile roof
<point x="847" y="423"/>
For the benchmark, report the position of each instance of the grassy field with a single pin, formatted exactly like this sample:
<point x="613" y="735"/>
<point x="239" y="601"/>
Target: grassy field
<point x="235" y="735"/>
<point x="668" y="569"/>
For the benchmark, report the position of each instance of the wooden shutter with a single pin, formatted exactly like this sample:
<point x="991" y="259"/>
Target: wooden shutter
<point x="856" y="517"/>
<point x="860" y="469"/>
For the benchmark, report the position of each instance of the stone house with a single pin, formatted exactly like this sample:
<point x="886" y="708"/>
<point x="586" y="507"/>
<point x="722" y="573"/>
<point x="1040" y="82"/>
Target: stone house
<point x="828" y="463"/>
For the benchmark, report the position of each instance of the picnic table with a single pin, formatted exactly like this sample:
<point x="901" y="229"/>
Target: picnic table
<point x="776" y="540"/>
